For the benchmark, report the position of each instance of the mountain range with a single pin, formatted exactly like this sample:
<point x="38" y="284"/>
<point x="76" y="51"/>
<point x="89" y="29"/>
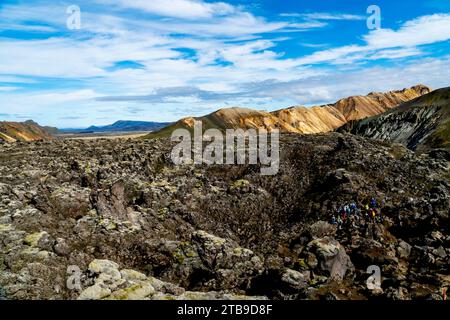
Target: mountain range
<point x="416" y="117"/>
<point x="305" y="120"/>
<point x="31" y="131"/>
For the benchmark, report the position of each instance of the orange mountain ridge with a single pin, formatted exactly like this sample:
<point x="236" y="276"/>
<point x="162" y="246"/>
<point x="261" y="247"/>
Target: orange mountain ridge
<point x="306" y="120"/>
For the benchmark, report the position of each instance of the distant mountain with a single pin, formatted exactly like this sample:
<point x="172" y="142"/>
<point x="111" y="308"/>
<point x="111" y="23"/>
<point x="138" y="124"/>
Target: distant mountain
<point x="421" y="124"/>
<point x="24" y="131"/>
<point x="51" y="130"/>
<point x="305" y="120"/>
<point x="123" y="126"/>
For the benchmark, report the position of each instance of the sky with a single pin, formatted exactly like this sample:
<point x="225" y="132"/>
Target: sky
<point x="80" y="63"/>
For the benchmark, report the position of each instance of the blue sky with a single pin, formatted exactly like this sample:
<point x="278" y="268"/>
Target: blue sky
<point x="161" y="60"/>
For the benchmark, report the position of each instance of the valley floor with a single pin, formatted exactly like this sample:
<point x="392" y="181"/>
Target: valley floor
<point x="102" y="135"/>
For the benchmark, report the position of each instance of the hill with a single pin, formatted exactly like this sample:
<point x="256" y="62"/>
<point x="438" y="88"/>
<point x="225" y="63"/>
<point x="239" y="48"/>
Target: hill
<point x="24" y="131"/>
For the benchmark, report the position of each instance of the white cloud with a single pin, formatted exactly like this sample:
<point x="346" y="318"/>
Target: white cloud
<point x="270" y="95"/>
<point x="420" y="31"/>
<point x="14" y="79"/>
<point x="324" y="16"/>
<point x="239" y="25"/>
<point x="50" y="57"/>
<point x="69" y="58"/>
<point x="396" y="53"/>
<point x="417" y="32"/>
<point x="61" y="97"/>
<point x="33" y="17"/>
<point x="330" y="55"/>
<point x="50" y="104"/>
<point x="4" y="89"/>
<point x="186" y="9"/>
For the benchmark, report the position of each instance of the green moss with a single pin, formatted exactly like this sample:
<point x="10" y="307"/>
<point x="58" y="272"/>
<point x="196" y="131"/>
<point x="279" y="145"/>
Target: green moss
<point x="240" y="184"/>
<point x="302" y="263"/>
<point x="165" y="297"/>
<point x="446" y="175"/>
<point x="126" y="294"/>
<point x="35" y="253"/>
<point x="199" y="184"/>
<point x="179" y="256"/>
<point x="398" y="151"/>
<point x="33" y="239"/>
<point x="440" y="138"/>
<point x="5" y="227"/>
<point x="162" y="212"/>
<point x="317" y="280"/>
<point x="191" y="254"/>
<point x="108" y="224"/>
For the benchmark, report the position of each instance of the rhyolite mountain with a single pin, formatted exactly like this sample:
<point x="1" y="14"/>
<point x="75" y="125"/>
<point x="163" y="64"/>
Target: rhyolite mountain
<point x="24" y="131"/>
<point x="420" y="124"/>
<point x="307" y="120"/>
<point x="122" y="126"/>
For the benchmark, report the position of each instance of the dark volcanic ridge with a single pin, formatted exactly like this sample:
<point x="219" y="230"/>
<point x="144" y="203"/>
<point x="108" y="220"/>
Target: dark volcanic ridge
<point x="421" y="124"/>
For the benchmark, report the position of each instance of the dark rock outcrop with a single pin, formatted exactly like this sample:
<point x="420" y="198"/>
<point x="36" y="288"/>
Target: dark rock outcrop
<point x="422" y="124"/>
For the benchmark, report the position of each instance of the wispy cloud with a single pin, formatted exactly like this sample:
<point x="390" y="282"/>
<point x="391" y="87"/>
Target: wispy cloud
<point x="325" y="16"/>
<point x="5" y="88"/>
<point x="14" y="116"/>
<point x="72" y="117"/>
<point x="185" y="9"/>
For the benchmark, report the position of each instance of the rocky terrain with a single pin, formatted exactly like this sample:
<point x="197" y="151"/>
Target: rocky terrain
<point x="115" y="219"/>
<point x="305" y="120"/>
<point x="422" y="124"/>
<point x="24" y="131"/>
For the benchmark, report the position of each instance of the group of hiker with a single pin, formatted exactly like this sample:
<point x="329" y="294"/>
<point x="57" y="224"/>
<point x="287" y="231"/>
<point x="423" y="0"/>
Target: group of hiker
<point x="351" y="214"/>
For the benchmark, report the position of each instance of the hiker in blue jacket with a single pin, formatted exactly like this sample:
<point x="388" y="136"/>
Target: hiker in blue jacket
<point x="373" y="203"/>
